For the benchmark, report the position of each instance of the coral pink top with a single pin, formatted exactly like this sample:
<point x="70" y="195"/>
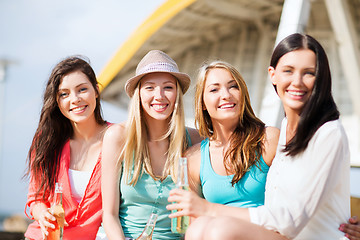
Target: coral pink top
<point x="84" y="218"/>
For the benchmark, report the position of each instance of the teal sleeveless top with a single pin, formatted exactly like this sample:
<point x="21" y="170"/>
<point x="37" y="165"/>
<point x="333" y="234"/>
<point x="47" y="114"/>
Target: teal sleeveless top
<point x="139" y="201"/>
<point x="248" y="192"/>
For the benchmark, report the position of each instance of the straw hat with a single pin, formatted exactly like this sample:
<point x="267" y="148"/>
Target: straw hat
<point x="156" y="61"/>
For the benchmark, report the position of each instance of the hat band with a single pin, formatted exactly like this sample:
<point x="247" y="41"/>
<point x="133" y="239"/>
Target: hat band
<point x="158" y="67"/>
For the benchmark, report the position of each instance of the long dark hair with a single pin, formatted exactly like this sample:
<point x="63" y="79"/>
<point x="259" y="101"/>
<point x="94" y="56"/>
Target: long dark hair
<point x="54" y="128"/>
<point x="321" y="107"/>
<point x="246" y="142"/>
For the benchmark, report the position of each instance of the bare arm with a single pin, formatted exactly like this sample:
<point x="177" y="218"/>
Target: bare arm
<point x="194" y="135"/>
<point x="270" y="144"/>
<point x="194" y="206"/>
<point x="110" y="181"/>
<point x="194" y="160"/>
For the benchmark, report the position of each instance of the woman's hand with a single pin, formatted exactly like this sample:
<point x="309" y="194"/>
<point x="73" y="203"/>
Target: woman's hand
<point x="351" y="229"/>
<point x="187" y="203"/>
<point x="45" y="219"/>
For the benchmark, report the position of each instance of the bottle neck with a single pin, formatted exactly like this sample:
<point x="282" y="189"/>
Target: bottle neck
<point x="58" y="194"/>
<point x="149" y="228"/>
<point x="58" y="198"/>
<point x="182" y="180"/>
<point x="152" y="220"/>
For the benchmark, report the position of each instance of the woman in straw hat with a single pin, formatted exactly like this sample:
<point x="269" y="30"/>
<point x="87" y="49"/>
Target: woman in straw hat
<point x="140" y="157"/>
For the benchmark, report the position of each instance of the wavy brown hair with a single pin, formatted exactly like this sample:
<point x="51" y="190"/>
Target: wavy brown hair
<point x="54" y="129"/>
<point x="246" y="142"/>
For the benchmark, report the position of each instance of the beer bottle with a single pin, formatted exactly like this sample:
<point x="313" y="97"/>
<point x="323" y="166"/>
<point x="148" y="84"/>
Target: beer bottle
<point x="149" y="228"/>
<point x="58" y="212"/>
<point x="180" y="224"/>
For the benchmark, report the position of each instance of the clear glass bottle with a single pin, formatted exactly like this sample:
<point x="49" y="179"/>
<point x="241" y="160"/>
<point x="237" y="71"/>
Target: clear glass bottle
<point x="180" y="224"/>
<point x="57" y="210"/>
<point x="149" y="228"/>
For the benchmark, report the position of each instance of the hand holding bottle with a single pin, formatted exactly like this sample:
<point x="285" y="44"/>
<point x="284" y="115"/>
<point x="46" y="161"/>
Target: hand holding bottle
<point x="44" y="218"/>
<point x="58" y="213"/>
<point x="188" y="203"/>
<point x="181" y="222"/>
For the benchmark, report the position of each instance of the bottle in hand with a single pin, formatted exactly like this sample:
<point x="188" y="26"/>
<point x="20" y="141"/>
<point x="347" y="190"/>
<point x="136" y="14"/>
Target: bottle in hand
<point x="180" y="224"/>
<point x="149" y="228"/>
<point x="58" y="212"/>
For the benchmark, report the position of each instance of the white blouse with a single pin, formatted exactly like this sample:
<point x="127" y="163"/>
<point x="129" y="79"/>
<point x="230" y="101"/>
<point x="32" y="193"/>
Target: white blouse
<point x="308" y="196"/>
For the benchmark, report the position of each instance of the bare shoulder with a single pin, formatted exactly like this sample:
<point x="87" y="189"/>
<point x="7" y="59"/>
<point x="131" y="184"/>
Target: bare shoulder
<point x="270" y="144"/>
<point x="194" y="135"/>
<point x="193" y="154"/>
<point x="272" y="134"/>
<point x="112" y="146"/>
<point x="115" y="132"/>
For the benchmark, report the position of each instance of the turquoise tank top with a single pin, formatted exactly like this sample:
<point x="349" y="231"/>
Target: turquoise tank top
<point x="248" y="192"/>
<point x="139" y="201"/>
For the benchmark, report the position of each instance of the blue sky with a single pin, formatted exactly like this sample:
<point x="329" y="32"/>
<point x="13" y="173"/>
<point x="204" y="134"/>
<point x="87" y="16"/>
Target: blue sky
<point x="35" y="35"/>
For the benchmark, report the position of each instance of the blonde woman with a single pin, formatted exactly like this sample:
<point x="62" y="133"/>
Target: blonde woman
<point x="140" y="156"/>
<point x="230" y="166"/>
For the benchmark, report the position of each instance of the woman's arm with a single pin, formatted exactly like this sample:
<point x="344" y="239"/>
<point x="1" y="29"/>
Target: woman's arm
<point x="270" y="144"/>
<point x="194" y="136"/>
<point x="193" y="155"/>
<point x="110" y="181"/>
<point x="214" y="228"/>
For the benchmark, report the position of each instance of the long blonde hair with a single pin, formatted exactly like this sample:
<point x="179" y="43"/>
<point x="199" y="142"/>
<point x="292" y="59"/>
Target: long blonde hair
<point x="136" y="155"/>
<point x="246" y="142"/>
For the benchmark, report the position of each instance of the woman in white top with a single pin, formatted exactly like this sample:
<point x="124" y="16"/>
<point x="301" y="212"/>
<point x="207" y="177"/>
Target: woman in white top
<point x="307" y="191"/>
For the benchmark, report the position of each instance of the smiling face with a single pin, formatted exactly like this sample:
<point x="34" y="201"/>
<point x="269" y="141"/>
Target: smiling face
<point x="158" y="95"/>
<point x="222" y="96"/>
<point x="76" y="97"/>
<point x="294" y="78"/>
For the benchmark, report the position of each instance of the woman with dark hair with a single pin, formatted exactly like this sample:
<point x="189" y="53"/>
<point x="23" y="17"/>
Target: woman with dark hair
<point x="66" y="149"/>
<point x="307" y="190"/>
